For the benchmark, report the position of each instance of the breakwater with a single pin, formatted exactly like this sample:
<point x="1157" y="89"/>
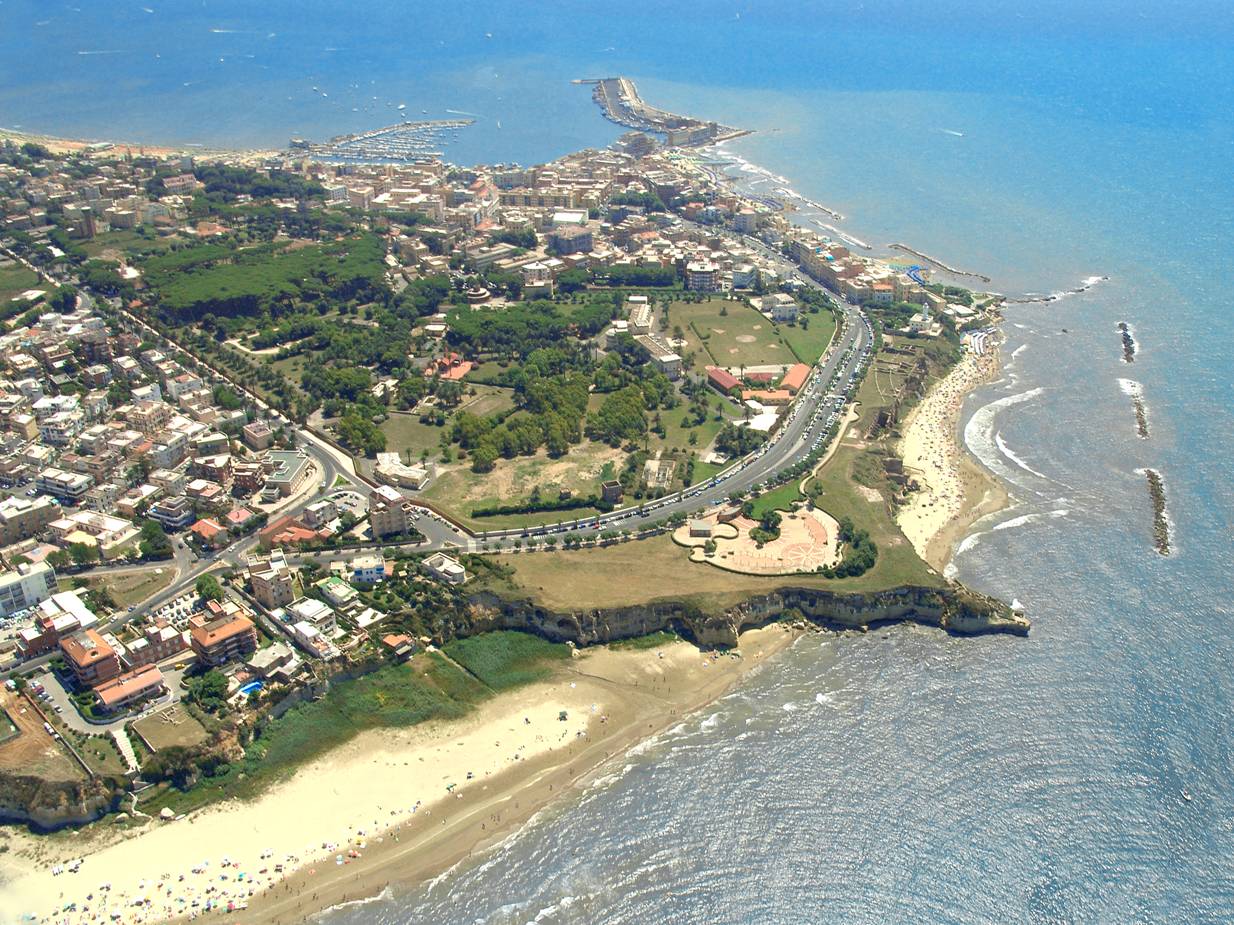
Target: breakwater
<point x="1161" y="520"/>
<point x="1135" y="392"/>
<point x="1129" y="344"/>
<point x="935" y="262"/>
<point x="619" y="98"/>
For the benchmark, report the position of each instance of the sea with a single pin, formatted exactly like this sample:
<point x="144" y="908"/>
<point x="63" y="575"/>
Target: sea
<point x="1079" y="775"/>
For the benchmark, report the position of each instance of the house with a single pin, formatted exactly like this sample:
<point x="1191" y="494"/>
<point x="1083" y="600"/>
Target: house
<point x="389" y="512"/>
<point x="400" y="645"/>
<point x="368" y="570"/>
<point x="338" y="592"/>
<point x="310" y="610"/>
<point x="611" y="491"/>
<point x="210" y="533"/>
<point x="270" y="580"/>
<point x="446" y="569"/>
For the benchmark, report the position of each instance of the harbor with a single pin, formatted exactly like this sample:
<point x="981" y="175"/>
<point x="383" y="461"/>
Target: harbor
<point x="403" y="142"/>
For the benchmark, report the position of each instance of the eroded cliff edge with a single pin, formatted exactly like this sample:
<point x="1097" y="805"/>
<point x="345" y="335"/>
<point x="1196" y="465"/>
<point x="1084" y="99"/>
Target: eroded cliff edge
<point x="954" y="608"/>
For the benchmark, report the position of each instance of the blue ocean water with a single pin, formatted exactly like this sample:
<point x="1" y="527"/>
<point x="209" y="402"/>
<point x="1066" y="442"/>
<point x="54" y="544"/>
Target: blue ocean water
<point x="902" y="775"/>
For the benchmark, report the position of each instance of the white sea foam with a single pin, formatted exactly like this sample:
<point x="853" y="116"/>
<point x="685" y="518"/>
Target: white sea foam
<point x="1024" y="519"/>
<point x="384" y="895"/>
<point x="1018" y="350"/>
<point x="789" y="707"/>
<point x="825" y="700"/>
<point x="1131" y="388"/>
<point x="1007" y="451"/>
<point x="710" y="722"/>
<point x="968" y="543"/>
<point x="979" y="433"/>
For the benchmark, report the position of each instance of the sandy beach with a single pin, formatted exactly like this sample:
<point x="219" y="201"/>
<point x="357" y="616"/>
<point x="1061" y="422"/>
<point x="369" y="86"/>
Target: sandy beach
<point x="955" y="490"/>
<point x="391" y="806"/>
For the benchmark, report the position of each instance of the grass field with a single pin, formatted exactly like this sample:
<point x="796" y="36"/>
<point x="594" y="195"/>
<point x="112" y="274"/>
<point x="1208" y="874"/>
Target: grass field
<point x="405" y="432"/>
<point x="809" y="343"/>
<point x="742" y="337"/>
<point x="134" y="587"/>
<point x="505" y="659"/>
<point x="173" y="726"/>
<point x="16" y="279"/>
<point x="459" y="490"/>
<point x="778" y="499"/>
<point x="115" y="244"/>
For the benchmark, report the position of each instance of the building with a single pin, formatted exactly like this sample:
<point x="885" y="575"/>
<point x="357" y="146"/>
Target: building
<point x="368" y="570"/>
<point x="129" y="688"/>
<point x="781" y="307"/>
<point x="290" y="467"/>
<point x="174" y="513"/>
<point x="663" y="357"/>
<point x="222" y="634"/>
<point x="21" y="518"/>
<point x="746" y="221"/>
<point x="611" y="492"/>
<point x="795" y="378"/>
<point x="210" y="533"/>
<point x="572" y="239"/>
<point x="393" y="471"/>
<point x="271" y="581"/>
<point x="389" y="512"/>
<point x="537" y="281"/>
<point x="159" y="641"/>
<point x="338" y="592"/>
<point x="90" y="657"/>
<point x="722" y="380"/>
<point x="319" y="513"/>
<point x="277" y="662"/>
<point x="26" y="586"/>
<point x="111" y="536"/>
<point x="314" y="612"/>
<point x="703" y="276"/>
<point x="641" y="314"/>
<point x="70" y="487"/>
<point x="60" y="615"/>
<point x="258" y="435"/>
<point x="446" y="569"/>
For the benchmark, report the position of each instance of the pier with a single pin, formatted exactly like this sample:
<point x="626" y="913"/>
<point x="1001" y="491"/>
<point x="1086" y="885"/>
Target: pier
<point x="405" y="142"/>
<point x="938" y="263"/>
<point x="619" y="98"/>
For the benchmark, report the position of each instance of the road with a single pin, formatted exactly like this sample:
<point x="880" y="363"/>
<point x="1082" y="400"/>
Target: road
<point x="804" y="430"/>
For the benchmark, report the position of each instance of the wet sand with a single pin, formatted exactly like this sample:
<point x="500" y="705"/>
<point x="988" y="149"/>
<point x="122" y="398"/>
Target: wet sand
<point x="377" y="810"/>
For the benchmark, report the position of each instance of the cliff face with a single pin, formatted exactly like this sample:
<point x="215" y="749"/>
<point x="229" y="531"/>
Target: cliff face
<point x="954" y="609"/>
<point x="52" y="804"/>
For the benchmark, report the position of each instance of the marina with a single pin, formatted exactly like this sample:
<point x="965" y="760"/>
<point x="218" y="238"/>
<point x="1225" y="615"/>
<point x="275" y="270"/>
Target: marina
<point x="403" y="142"/>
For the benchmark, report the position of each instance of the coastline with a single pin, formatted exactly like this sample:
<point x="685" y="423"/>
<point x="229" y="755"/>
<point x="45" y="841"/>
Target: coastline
<point x="365" y="794"/>
<point x="956" y="491"/>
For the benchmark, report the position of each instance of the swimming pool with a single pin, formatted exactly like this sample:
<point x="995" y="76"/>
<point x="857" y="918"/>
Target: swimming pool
<point x="252" y="687"/>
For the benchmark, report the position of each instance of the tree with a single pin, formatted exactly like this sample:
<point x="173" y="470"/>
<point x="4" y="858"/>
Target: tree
<point x="209" y="589"/>
<point x="209" y="691"/>
<point x="154" y="543"/>
<point x="83" y="553"/>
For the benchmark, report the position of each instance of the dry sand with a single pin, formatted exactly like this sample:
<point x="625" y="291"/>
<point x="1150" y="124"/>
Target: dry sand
<point x="955" y="491"/>
<point x="378" y="809"/>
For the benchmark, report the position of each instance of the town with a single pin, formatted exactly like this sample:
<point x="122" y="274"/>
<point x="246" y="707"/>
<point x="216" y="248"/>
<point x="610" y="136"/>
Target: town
<point x="267" y="418"/>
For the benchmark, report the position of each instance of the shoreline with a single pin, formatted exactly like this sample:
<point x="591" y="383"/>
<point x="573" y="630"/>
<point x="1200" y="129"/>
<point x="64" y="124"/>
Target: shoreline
<point x="342" y="802"/>
<point x="956" y="490"/>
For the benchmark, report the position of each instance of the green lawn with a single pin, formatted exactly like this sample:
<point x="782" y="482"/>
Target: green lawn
<point x="809" y="343"/>
<point x="405" y="432"/>
<point x="16" y="279"/>
<point x="124" y="241"/>
<point x="742" y="337"/>
<point x="778" y="499"/>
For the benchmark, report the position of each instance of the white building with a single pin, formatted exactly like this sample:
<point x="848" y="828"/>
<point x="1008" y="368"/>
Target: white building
<point x="24" y="587"/>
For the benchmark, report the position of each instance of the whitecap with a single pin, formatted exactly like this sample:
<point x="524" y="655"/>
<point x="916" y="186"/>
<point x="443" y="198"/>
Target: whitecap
<point x="1030" y="519"/>
<point x="1007" y="451"/>
<point x="789" y="707"/>
<point x="825" y="700"/>
<point x="1131" y="388"/>
<point x="1018" y="350"/>
<point x="979" y="433"/>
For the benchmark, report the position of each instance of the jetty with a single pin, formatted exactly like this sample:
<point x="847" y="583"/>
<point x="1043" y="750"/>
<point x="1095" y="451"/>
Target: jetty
<point x="403" y="142"/>
<point x="938" y="263"/>
<point x="618" y="97"/>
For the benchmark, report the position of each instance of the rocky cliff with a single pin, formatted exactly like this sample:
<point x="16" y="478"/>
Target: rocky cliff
<point x="954" y="609"/>
<point x="51" y="804"/>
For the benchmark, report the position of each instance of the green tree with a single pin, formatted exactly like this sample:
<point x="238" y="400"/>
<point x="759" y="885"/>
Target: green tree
<point x="208" y="588"/>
